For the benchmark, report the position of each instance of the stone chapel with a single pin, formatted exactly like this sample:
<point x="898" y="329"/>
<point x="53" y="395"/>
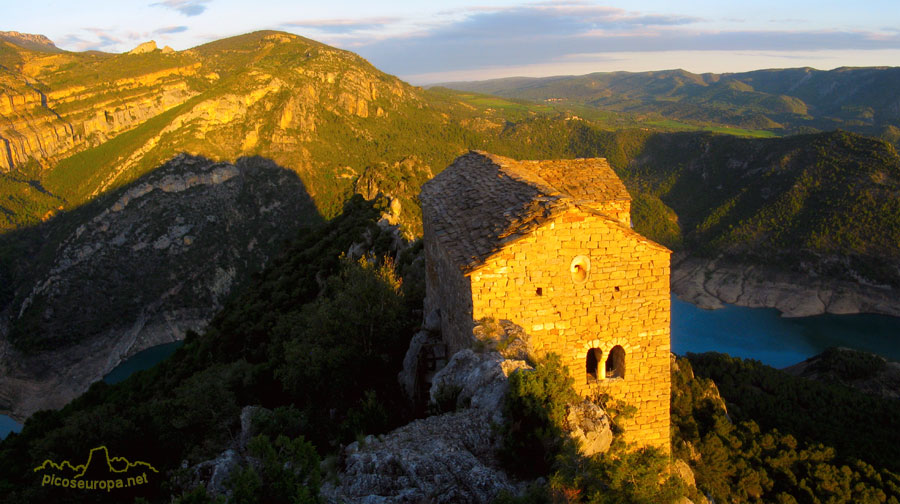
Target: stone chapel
<point x="548" y="245"/>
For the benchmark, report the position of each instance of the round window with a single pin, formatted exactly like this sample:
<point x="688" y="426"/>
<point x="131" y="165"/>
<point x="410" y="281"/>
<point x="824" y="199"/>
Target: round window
<point x="580" y="268"/>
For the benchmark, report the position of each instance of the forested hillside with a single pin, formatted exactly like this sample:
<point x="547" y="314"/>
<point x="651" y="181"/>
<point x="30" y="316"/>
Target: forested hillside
<point x="782" y="101"/>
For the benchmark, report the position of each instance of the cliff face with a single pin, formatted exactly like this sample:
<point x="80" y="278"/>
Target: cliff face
<point x="142" y="266"/>
<point x="45" y="121"/>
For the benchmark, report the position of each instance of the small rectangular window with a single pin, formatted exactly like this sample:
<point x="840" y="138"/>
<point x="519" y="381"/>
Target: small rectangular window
<point x="540" y="291"/>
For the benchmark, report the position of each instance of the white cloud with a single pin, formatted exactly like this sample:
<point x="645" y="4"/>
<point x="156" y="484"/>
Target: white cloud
<point x="186" y="7"/>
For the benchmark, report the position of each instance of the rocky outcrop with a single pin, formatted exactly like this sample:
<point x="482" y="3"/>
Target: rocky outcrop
<point x="442" y="458"/>
<point x="146" y="264"/>
<point x="146" y="47"/>
<point x="213" y="474"/>
<point x="450" y="457"/>
<point x="31" y="41"/>
<point x="709" y="283"/>
<point x="477" y="380"/>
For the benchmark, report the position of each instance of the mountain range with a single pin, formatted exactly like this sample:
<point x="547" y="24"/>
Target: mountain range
<point x="783" y="101"/>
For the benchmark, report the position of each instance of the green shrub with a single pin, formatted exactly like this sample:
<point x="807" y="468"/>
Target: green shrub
<point x="288" y="473"/>
<point x="535" y="409"/>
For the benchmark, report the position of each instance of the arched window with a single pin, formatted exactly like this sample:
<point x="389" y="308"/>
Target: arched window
<point x="615" y="363"/>
<point x="594" y="357"/>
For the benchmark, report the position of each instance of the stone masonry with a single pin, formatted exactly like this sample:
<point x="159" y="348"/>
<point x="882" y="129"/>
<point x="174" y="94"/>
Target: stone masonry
<point x="548" y="245"/>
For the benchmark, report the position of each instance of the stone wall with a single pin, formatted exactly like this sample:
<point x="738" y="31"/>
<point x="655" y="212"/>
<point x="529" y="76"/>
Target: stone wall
<point x="447" y="289"/>
<point x="622" y="300"/>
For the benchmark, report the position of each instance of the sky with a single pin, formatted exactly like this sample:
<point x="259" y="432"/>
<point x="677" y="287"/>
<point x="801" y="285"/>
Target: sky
<point x="440" y="41"/>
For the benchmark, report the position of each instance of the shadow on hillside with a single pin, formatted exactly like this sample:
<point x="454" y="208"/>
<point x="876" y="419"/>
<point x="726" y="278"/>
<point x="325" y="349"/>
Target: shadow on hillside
<point x="176" y="240"/>
<point x="314" y="343"/>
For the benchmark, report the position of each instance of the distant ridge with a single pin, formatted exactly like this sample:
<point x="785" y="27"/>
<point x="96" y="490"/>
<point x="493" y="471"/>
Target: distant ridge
<point x="784" y="101"/>
<point x="34" y="42"/>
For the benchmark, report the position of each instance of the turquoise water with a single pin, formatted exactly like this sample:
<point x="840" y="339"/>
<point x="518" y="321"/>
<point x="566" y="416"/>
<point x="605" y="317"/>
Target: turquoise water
<point x="762" y="334"/>
<point x="754" y="333"/>
<point x="8" y="425"/>
<point x="144" y="359"/>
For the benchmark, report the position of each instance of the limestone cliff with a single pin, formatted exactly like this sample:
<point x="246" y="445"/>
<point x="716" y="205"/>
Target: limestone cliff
<point x="137" y="268"/>
<point x="54" y="104"/>
<point x="45" y="116"/>
<point x="31" y="40"/>
<point x="709" y="283"/>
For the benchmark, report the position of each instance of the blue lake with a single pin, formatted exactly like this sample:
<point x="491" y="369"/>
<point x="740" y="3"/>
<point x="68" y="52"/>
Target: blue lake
<point x="753" y="333"/>
<point x="762" y="334"/>
<point x="145" y="359"/>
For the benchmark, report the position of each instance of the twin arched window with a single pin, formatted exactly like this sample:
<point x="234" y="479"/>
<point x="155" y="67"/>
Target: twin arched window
<point x="615" y="363"/>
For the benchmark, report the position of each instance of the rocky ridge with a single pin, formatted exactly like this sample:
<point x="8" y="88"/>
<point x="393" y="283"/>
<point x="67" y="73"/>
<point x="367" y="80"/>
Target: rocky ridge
<point x="146" y="264"/>
<point x="450" y="457"/>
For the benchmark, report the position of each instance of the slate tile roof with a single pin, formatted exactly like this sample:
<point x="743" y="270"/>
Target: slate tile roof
<point x="482" y="201"/>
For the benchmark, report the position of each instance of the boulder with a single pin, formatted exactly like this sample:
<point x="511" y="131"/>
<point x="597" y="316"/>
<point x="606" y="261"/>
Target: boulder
<point x="479" y="380"/>
<point x="503" y="336"/>
<point x="590" y="426"/>
<point x="409" y="375"/>
<point x="433" y="321"/>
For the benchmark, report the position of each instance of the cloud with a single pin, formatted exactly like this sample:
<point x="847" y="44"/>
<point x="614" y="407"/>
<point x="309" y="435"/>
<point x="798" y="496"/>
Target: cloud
<point x="347" y="25"/>
<point x="487" y="37"/>
<point x="102" y="40"/>
<point x="186" y="7"/>
<point x="170" y="29"/>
